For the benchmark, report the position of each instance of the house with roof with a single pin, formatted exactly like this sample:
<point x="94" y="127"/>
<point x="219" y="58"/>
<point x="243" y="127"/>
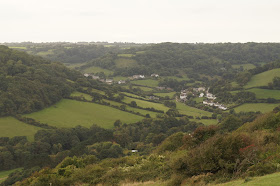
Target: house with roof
<point x="109" y="81"/>
<point x="121" y="82"/>
<point x="154" y="75"/>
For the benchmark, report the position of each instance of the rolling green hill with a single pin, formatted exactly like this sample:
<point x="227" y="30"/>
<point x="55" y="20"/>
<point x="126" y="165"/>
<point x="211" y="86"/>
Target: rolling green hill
<point x="70" y="113"/>
<point x="265" y="93"/>
<point x="10" y="127"/>
<point x="254" y="107"/>
<point x="263" y="78"/>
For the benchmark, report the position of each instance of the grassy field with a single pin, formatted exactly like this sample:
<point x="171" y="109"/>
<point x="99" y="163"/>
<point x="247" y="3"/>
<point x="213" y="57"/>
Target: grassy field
<point x="17" y="47"/>
<point x="270" y="179"/>
<point x="98" y="69"/>
<point x="126" y="55"/>
<point x="70" y="113"/>
<point x="4" y="174"/>
<point x="80" y="94"/>
<point x="141" y="111"/>
<point x="45" y="53"/>
<point x="191" y="111"/>
<point x="118" y="78"/>
<point x="170" y="94"/>
<point x="10" y="127"/>
<point x="254" y="107"/>
<point x="265" y="93"/>
<point x="146" y="82"/>
<point x="246" y="66"/>
<point x="263" y="78"/>
<point x="146" y="89"/>
<point x="132" y="95"/>
<point x="125" y="62"/>
<point x="146" y="104"/>
<point x="177" y="78"/>
<point x="198" y="100"/>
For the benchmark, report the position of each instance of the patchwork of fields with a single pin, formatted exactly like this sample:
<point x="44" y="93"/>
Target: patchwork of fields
<point x="70" y="113"/>
<point x="255" y="107"/>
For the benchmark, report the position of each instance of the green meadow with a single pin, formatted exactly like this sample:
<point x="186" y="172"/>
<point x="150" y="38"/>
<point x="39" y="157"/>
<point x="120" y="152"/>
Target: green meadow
<point x="146" y="82"/>
<point x="255" y="107"/>
<point x="70" y="113"/>
<point x="125" y="62"/>
<point x="270" y="179"/>
<point x="132" y="95"/>
<point x="141" y="111"/>
<point x="170" y="94"/>
<point x="191" y="111"/>
<point x="146" y="104"/>
<point x="17" y="47"/>
<point x="265" y="93"/>
<point x="263" y="78"/>
<point x="10" y="127"/>
<point x="94" y="70"/>
<point x="126" y="55"/>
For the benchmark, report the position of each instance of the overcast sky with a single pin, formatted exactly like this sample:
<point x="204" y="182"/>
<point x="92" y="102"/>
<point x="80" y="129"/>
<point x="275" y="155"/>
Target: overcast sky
<point x="140" y="21"/>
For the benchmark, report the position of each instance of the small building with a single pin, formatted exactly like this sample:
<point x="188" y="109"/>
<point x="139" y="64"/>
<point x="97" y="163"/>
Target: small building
<point x="134" y="151"/>
<point x="154" y="75"/>
<point x="138" y="77"/>
<point x="121" y="82"/>
<point x="86" y="75"/>
<point x="95" y="77"/>
<point x="109" y="81"/>
<point x="201" y="95"/>
<point x="210" y="96"/>
<point x="223" y="107"/>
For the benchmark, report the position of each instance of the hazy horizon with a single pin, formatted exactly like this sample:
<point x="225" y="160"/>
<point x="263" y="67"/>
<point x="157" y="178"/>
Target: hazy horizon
<point x="140" y="21"/>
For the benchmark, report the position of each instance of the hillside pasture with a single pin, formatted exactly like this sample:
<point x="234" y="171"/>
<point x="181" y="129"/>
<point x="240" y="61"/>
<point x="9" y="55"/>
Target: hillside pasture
<point x="206" y="122"/>
<point x="146" y="82"/>
<point x="191" y="111"/>
<point x="11" y="127"/>
<point x="146" y="104"/>
<point x="263" y="78"/>
<point x="265" y="93"/>
<point x="163" y="94"/>
<point x="94" y="70"/>
<point x="70" y="113"/>
<point x="255" y="107"/>
<point x="125" y="62"/>
<point x="141" y="111"/>
<point x="126" y="55"/>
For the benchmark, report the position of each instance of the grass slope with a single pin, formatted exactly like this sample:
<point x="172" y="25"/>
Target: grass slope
<point x="263" y="78"/>
<point x="70" y="113"/>
<point x="98" y="69"/>
<point x="191" y="111"/>
<point x="170" y="94"/>
<point x="271" y="180"/>
<point x="206" y="121"/>
<point x="265" y="93"/>
<point x="125" y="62"/>
<point x="10" y="127"/>
<point x="254" y="107"/>
<point x="146" y="82"/>
<point x="146" y="104"/>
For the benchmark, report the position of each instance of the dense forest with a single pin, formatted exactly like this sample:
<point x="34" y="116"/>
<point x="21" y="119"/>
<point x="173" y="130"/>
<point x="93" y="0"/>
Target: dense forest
<point x="29" y="83"/>
<point x="209" y="59"/>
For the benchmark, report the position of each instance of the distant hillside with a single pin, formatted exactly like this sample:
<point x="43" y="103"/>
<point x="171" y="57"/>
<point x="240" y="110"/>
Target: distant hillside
<point x="29" y="83"/>
<point x="263" y="78"/>
<point x="168" y="58"/>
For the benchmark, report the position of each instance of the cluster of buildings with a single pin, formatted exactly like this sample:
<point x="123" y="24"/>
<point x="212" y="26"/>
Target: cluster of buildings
<point x="108" y="81"/>
<point x="202" y="92"/>
<point x="212" y="104"/>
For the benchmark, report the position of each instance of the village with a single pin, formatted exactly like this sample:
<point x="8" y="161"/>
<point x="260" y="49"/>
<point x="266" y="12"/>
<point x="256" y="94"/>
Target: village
<point x="200" y="92"/>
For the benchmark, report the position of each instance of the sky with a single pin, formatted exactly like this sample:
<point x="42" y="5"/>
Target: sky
<point x="140" y="21"/>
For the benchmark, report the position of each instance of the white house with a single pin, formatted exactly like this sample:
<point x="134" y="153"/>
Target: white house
<point x="154" y="75"/>
<point x="134" y="150"/>
<point x="201" y="95"/>
<point x="109" y="81"/>
<point x="183" y="96"/>
<point x="95" y="77"/>
<point x="138" y="77"/>
<point x="210" y="96"/>
<point x="86" y="74"/>
<point x="121" y="82"/>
